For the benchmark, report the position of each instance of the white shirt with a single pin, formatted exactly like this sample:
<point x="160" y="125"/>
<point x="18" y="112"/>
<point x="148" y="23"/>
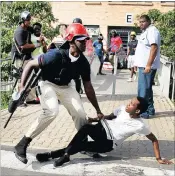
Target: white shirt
<point x="123" y="126"/>
<point x="150" y="36"/>
<point x="38" y="51"/>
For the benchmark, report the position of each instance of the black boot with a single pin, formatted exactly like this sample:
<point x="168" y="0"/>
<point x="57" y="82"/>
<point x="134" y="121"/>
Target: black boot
<point x="61" y="160"/>
<point x="20" y="149"/>
<point x="42" y="157"/>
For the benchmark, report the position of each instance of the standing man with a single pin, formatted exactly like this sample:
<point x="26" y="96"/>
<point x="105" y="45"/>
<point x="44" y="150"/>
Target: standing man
<point x="22" y="46"/>
<point x="37" y="37"/>
<point x="147" y="59"/>
<point x="115" y="46"/>
<point x="98" y="45"/>
<point x="130" y="55"/>
<point x="59" y="67"/>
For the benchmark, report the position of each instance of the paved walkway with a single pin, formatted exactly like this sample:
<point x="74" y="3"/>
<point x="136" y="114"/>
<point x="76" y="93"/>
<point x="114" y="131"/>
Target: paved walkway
<point x="61" y="131"/>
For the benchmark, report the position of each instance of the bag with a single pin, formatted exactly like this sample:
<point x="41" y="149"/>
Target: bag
<point x="107" y="66"/>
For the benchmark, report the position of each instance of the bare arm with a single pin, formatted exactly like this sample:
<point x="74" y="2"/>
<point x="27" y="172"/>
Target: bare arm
<point x="27" y="46"/>
<point x="153" y="53"/>
<point x="27" y="71"/>
<point x="91" y="95"/>
<point x="155" y="143"/>
<point x="107" y="117"/>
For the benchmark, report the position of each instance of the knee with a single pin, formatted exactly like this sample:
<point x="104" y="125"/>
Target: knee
<point x="51" y="113"/>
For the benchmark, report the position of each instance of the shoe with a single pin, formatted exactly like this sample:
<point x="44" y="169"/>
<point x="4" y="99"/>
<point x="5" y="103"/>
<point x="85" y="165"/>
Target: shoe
<point x="61" y="161"/>
<point x="33" y="102"/>
<point x="102" y="73"/>
<point x="129" y="80"/>
<point x="42" y="157"/>
<point x="21" y="148"/>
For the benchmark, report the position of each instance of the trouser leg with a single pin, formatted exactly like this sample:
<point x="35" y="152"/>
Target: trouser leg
<point x="50" y="109"/>
<point x="97" y="133"/>
<point x="72" y="102"/>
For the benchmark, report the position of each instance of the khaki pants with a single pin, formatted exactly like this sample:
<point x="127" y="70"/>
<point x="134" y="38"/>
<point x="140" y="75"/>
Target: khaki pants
<point x="32" y="94"/>
<point x="50" y="93"/>
<point x="111" y="59"/>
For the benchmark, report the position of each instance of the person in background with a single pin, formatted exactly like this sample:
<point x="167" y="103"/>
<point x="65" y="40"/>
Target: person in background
<point x="108" y="133"/>
<point x="132" y="44"/>
<point x="115" y="46"/>
<point x="98" y="45"/>
<point x="37" y="37"/>
<point x="147" y="59"/>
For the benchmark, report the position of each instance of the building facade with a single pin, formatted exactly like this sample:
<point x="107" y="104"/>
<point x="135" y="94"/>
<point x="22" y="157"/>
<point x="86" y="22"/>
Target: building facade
<point x="102" y="17"/>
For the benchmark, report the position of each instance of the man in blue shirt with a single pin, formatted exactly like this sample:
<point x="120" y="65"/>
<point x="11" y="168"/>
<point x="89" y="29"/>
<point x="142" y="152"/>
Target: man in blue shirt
<point x="98" y="45"/>
<point x="59" y="67"/>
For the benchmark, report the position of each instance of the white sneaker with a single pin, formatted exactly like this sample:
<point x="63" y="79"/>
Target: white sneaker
<point x="129" y="80"/>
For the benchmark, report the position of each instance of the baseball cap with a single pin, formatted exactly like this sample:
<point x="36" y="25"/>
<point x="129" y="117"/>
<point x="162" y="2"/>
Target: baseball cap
<point x="133" y="33"/>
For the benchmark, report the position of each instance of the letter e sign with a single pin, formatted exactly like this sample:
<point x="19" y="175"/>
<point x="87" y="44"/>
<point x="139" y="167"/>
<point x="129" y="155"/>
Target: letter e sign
<point x="129" y="18"/>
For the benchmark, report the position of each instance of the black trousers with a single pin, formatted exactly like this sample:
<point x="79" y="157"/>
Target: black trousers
<point x="79" y="143"/>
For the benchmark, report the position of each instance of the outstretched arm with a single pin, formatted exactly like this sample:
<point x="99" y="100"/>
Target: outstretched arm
<point x="26" y="72"/>
<point x="96" y="119"/>
<point x="155" y="142"/>
<point x="89" y="90"/>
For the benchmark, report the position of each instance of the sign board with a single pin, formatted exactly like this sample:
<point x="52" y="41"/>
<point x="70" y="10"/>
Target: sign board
<point x="129" y="18"/>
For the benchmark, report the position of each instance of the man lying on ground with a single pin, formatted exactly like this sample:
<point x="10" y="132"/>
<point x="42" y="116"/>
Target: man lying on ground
<point x="109" y="132"/>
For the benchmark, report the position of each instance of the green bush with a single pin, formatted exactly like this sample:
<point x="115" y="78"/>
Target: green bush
<point x="5" y="96"/>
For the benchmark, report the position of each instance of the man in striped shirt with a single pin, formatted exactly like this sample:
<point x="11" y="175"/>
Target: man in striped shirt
<point x="109" y="132"/>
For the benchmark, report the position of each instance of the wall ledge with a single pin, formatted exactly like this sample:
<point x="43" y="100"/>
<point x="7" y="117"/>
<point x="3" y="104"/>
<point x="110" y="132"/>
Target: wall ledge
<point x="131" y="3"/>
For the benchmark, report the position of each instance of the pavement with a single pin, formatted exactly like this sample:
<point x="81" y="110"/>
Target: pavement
<point x="134" y="157"/>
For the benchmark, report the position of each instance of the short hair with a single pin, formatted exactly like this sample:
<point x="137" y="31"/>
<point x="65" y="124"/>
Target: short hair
<point x="37" y="24"/>
<point x="146" y="17"/>
<point x="143" y="104"/>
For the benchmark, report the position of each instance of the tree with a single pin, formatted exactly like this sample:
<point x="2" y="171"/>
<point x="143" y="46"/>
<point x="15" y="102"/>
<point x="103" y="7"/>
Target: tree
<point x="165" y="24"/>
<point x="10" y="12"/>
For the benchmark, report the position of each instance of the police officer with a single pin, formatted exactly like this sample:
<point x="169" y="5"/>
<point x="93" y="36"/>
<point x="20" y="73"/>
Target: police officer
<point x="59" y="67"/>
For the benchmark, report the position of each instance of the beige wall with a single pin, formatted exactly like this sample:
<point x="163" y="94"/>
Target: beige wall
<point x="103" y="13"/>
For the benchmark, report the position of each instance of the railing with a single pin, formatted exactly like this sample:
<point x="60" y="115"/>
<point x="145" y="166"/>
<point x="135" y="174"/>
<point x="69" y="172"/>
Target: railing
<point x="166" y="77"/>
<point x="6" y="78"/>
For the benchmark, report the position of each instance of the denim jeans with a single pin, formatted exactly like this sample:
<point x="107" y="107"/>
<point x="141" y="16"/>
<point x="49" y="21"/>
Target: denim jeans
<point x="145" y="82"/>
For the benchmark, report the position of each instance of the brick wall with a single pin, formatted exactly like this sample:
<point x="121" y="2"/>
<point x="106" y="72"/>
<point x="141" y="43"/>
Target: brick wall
<point x="103" y="14"/>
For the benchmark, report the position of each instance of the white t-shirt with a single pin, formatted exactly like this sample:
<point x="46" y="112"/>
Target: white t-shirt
<point x="123" y="126"/>
<point x="150" y="36"/>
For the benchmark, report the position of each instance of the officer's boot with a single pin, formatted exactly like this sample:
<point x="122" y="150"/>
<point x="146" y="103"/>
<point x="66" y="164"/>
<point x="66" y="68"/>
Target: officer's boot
<point x="20" y="149"/>
<point x="42" y="157"/>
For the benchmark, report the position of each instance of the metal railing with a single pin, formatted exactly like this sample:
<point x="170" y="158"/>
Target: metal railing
<point x="6" y="78"/>
<point x="166" y="77"/>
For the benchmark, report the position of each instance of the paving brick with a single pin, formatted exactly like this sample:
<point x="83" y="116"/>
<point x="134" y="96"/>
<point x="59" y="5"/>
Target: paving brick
<point x="62" y="129"/>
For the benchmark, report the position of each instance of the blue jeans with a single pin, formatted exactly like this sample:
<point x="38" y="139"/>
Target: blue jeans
<point x="145" y="82"/>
